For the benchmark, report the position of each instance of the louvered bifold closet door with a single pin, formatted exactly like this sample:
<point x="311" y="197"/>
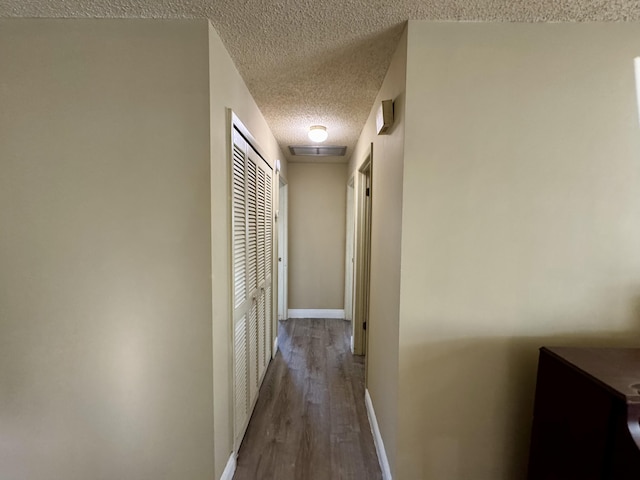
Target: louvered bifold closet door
<point x="265" y="263"/>
<point x="252" y="276"/>
<point x="262" y="223"/>
<point x="268" y="248"/>
<point x="253" y="209"/>
<point x="240" y="286"/>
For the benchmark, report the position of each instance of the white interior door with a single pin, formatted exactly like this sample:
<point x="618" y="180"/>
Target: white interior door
<point x="265" y="264"/>
<point x="282" y="251"/>
<point x="242" y="286"/>
<point x="349" y="254"/>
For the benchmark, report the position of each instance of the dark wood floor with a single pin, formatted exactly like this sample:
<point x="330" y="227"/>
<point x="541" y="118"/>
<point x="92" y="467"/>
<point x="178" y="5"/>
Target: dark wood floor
<point x="310" y="421"/>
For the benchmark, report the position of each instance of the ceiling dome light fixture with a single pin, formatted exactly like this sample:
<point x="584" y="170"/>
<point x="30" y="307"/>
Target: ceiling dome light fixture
<point x="318" y="133"/>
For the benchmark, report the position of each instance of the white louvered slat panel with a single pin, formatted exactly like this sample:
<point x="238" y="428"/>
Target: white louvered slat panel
<point x="262" y="337"/>
<point x="268" y="325"/>
<point x="239" y="227"/>
<point x="268" y="225"/>
<point x="261" y="224"/>
<point x="241" y="393"/>
<point x="253" y="353"/>
<point x="252" y="224"/>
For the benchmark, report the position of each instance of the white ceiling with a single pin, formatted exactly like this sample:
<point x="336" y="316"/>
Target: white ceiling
<point x="321" y="62"/>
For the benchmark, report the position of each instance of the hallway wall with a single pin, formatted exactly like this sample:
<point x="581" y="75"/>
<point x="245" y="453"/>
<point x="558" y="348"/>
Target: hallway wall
<point x="228" y="90"/>
<point x="317" y="219"/>
<point x="105" y="263"/>
<point x="520" y="228"/>
<point x="386" y="224"/>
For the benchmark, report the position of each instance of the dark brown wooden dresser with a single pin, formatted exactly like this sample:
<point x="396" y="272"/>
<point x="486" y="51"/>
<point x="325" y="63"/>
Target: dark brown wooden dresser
<point x="586" y="422"/>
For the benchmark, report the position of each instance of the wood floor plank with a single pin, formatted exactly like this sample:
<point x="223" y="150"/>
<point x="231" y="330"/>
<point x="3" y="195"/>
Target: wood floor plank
<point x="310" y="421"/>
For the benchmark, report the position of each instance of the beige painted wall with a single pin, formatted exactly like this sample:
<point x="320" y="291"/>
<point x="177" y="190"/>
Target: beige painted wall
<point x="317" y="216"/>
<point x="520" y="228"/>
<point x="105" y="277"/>
<point x="228" y="90"/>
<point x="388" y="154"/>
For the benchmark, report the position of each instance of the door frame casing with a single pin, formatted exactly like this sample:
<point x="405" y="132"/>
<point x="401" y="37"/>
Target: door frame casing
<point x="283" y="247"/>
<point x="362" y="254"/>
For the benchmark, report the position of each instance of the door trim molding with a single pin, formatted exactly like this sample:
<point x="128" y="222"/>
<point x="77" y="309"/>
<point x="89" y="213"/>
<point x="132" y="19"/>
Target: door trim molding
<point x="362" y="254"/>
<point x="316" y="313"/>
<point x="282" y="260"/>
<point x="377" y="438"/>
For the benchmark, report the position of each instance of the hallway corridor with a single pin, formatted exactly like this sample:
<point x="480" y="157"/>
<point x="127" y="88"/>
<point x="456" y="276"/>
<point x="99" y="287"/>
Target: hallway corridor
<point x="310" y="421"/>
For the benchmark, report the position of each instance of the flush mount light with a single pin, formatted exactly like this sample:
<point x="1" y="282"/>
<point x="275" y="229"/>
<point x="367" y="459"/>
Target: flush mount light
<point x="318" y="133"/>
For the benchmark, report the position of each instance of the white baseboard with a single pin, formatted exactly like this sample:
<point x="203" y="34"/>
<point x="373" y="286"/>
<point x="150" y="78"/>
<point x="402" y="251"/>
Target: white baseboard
<point x="377" y="438"/>
<point x="315" y="313"/>
<point x="353" y="347"/>
<point x="275" y="347"/>
<point x="230" y="469"/>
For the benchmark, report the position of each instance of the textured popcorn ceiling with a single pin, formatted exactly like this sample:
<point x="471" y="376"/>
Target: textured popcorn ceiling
<point x="321" y="62"/>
